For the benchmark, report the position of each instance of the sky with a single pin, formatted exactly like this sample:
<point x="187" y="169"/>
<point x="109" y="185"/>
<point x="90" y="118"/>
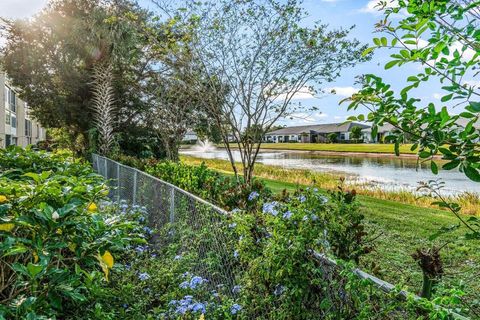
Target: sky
<point x="336" y="13"/>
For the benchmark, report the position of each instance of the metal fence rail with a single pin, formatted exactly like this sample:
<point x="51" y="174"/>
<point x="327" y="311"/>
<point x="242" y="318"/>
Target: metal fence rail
<point x="167" y="204"/>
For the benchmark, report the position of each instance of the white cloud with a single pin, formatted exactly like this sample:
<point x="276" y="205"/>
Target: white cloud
<point x="374" y="6"/>
<point x="437" y="96"/>
<point x="17" y="9"/>
<point x="331" y="1"/>
<point x="342" y="91"/>
<point x="303" y="94"/>
<point x="307" y="118"/>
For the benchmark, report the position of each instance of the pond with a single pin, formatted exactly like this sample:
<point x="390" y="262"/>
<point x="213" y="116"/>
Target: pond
<point x="389" y="173"/>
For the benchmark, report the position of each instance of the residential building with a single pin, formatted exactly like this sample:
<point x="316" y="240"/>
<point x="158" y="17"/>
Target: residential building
<point x="313" y="133"/>
<point x="17" y="127"/>
<point x="190" y="137"/>
<point x="382" y="132"/>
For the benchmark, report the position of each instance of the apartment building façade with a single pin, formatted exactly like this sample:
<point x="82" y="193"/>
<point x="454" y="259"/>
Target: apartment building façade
<point x="17" y="127"/>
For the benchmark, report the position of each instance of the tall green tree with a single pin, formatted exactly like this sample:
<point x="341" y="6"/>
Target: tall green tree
<point x="255" y="56"/>
<point x="51" y="59"/>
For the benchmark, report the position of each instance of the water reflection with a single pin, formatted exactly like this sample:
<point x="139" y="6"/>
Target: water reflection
<point x="389" y="173"/>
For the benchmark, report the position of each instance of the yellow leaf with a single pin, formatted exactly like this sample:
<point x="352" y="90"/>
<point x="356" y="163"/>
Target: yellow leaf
<point x="202" y="317"/>
<point x="59" y="231"/>
<point x="35" y="257"/>
<point x="6" y="227"/>
<point x="103" y="265"/>
<point x="108" y="259"/>
<point x="72" y="246"/>
<point x="92" y="207"/>
<point x="105" y="191"/>
<point x="3" y="198"/>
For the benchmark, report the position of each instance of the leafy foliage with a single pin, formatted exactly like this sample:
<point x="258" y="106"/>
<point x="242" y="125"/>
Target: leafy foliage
<point x="443" y="38"/>
<point x="56" y="243"/>
<point x="208" y="184"/>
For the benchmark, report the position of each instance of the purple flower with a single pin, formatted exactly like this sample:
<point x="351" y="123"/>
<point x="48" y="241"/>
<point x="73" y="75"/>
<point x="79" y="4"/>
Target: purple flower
<point x="141" y="249"/>
<point x="199" y="307"/>
<point x="302" y="198"/>
<point x="235" y="254"/>
<point x="287" y="215"/>
<point x="270" y="208"/>
<point x="323" y="199"/>
<point x="181" y="309"/>
<point x="252" y="196"/>
<point x="184" y="285"/>
<point x="235" y="309"/>
<point x="143" y="276"/>
<point x="196" y="281"/>
<point x="147" y="230"/>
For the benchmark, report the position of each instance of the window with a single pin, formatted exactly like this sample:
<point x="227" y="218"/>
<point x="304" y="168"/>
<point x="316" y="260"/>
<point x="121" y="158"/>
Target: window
<point x="28" y="128"/>
<point x="342" y="136"/>
<point x="10" y="99"/>
<point x="14" y="122"/>
<point x="13" y="101"/>
<point x="14" y="141"/>
<point x="8" y="140"/>
<point x="8" y="117"/>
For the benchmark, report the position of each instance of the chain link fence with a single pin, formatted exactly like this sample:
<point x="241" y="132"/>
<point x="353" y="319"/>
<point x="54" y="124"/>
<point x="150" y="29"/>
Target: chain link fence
<point x="197" y="226"/>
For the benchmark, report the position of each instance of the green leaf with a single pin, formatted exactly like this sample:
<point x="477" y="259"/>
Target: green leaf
<point x="390" y="64"/>
<point x="367" y="51"/>
<point x="447" y="97"/>
<point x="475" y="106"/>
<point x="472" y="173"/>
<point x="434" y="167"/>
<point x="18" y="249"/>
<point x="34" y="269"/>
<point x="451" y="165"/>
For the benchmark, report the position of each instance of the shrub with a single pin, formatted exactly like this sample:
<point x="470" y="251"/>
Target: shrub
<point x="208" y="184"/>
<point x="57" y="242"/>
<point x="332" y="137"/>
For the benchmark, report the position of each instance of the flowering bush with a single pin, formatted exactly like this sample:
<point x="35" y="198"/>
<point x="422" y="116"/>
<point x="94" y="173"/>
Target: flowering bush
<point x="208" y="184"/>
<point x="57" y="241"/>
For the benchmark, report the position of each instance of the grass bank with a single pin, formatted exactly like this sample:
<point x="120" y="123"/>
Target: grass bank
<point x="470" y="202"/>
<point x="399" y="229"/>
<point x="339" y="147"/>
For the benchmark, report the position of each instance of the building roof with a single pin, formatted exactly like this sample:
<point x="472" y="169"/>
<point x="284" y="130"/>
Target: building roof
<point x="318" y="128"/>
<point x="387" y="127"/>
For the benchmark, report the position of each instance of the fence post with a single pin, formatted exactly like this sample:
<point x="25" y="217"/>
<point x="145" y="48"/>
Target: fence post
<point x="118" y="182"/>
<point x="105" y="171"/>
<point x="172" y="204"/>
<point x="134" y="198"/>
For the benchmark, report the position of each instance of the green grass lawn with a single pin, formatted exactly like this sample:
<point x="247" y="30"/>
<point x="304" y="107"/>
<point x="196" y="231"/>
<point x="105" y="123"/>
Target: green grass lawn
<point x="339" y="147"/>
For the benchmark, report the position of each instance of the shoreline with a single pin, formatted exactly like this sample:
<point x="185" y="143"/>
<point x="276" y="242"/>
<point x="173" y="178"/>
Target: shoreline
<point x="411" y="156"/>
